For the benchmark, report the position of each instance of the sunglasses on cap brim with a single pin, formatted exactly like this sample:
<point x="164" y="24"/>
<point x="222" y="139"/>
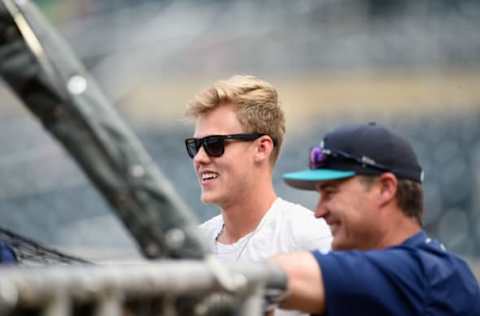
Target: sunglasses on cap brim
<point x="320" y="157"/>
<point x="214" y="145"/>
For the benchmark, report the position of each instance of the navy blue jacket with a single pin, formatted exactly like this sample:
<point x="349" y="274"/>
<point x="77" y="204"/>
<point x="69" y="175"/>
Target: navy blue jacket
<point x="418" y="277"/>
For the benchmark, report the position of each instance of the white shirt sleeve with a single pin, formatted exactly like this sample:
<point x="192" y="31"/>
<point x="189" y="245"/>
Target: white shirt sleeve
<point x="308" y="232"/>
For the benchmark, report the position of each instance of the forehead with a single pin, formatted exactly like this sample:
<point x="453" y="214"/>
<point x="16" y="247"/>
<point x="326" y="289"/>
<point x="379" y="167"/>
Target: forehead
<point x="220" y="121"/>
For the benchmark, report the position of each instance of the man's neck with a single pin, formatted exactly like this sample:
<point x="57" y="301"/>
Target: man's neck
<point x="243" y="217"/>
<point x="399" y="231"/>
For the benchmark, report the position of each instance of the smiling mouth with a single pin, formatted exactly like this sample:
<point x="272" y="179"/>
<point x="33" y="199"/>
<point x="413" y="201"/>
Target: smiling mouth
<point x="208" y="176"/>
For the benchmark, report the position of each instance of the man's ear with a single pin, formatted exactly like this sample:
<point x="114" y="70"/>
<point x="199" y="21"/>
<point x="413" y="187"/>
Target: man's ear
<point x="388" y="188"/>
<point x="264" y="148"/>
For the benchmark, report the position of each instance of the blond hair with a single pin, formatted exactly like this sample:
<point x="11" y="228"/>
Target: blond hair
<point x="256" y="103"/>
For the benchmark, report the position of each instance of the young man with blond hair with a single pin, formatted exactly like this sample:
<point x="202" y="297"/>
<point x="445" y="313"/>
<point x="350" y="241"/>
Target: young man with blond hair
<point x="239" y="130"/>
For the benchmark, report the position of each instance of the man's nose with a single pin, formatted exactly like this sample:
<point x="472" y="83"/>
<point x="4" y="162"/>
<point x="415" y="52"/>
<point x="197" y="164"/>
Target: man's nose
<point x="320" y="209"/>
<point x="201" y="156"/>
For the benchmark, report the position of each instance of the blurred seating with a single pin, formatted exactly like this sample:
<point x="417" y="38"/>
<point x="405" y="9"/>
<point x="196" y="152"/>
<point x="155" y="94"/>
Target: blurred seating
<point x="44" y="196"/>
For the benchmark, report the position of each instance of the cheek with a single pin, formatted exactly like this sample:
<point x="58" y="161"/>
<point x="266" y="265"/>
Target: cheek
<point x="348" y="210"/>
<point x="232" y="173"/>
<point x="241" y="166"/>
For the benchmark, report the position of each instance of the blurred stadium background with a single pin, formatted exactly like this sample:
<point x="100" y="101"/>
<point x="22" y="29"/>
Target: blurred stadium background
<point x="413" y="65"/>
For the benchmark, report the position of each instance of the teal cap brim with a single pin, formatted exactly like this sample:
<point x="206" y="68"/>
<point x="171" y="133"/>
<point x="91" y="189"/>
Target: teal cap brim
<point x="307" y="179"/>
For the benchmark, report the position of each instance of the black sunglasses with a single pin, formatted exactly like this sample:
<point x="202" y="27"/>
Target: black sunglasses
<point x="320" y="156"/>
<point x="214" y="145"/>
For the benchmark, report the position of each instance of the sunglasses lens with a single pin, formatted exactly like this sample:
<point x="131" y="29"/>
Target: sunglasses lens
<point x="317" y="158"/>
<point x="214" y="146"/>
<point x="192" y="148"/>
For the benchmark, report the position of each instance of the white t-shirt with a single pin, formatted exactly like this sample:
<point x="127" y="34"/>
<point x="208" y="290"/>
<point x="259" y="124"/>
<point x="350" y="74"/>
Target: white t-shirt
<point x="285" y="227"/>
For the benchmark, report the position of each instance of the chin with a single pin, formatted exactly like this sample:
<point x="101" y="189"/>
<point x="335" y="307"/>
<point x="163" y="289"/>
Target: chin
<point x="207" y="198"/>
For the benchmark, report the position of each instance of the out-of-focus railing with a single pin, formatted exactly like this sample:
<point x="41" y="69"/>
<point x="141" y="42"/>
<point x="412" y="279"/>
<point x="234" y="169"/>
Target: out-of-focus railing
<point x="160" y="288"/>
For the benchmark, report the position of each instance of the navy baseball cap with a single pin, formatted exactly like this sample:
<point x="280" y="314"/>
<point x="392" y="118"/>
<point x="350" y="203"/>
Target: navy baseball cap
<point x="364" y="149"/>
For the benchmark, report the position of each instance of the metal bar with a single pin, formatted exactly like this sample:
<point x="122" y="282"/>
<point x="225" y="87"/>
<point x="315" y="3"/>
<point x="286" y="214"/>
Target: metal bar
<point x="58" y="305"/>
<point x="31" y="40"/>
<point x="109" y="304"/>
<point x="252" y="303"/>
<point x="35" y="286"/>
